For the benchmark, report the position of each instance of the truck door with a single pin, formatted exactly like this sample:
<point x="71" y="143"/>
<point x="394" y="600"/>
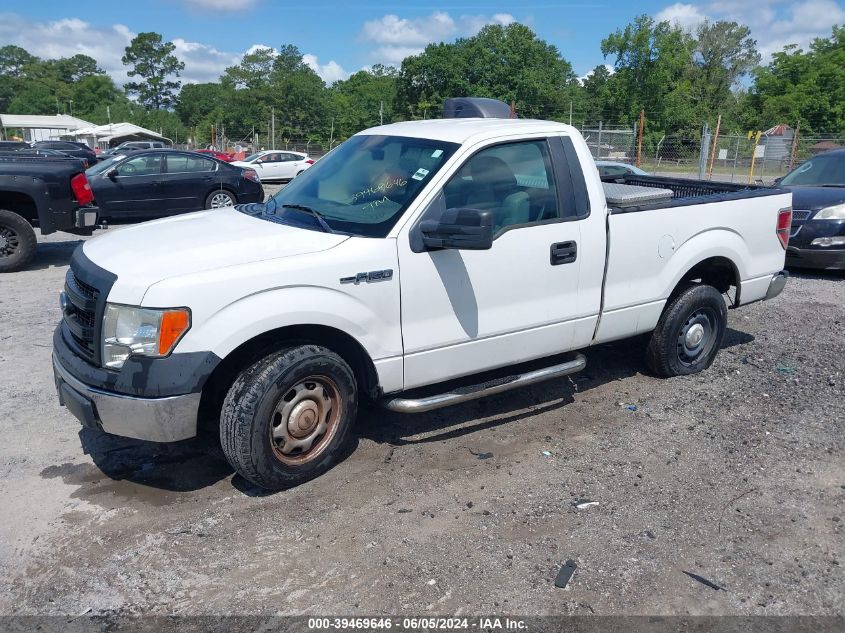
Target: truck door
<point x="466" y="311"/>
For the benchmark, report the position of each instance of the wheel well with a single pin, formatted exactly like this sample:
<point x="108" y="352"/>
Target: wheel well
<point x="719" y="272"/>
<point x="19" y="203"/>
<point x="218" y="383"/>
<point x="226" y="188"/>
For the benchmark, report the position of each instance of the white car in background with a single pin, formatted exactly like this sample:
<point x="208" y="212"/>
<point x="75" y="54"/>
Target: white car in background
<point x="609" y="168"/>
<point x="277" y="164"/>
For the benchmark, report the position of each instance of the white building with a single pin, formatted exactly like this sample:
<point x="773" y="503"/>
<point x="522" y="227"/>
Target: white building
<point x="38" y="127"/>
<point x="105" y="136"/>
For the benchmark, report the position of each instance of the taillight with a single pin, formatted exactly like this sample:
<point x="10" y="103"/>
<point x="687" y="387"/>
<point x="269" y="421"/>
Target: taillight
<point x="784" y="225"/>
<point x="251" y="174"/>
<point x="309" y="161"/>
<point x="81" y="189"/>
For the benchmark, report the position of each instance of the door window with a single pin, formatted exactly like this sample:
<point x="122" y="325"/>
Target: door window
<point x="140" y="166"/>
<point x="513" y="180"/>
<point x="183" y="163"/>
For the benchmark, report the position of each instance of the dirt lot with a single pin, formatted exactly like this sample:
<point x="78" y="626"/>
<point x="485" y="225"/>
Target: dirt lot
<point x="736" y="475"/>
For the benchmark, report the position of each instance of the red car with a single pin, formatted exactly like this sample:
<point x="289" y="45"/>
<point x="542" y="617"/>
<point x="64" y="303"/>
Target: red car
<point x="219" y="155"/>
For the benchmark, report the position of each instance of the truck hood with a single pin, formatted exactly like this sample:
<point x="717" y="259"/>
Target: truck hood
<point x="147" y="253"/>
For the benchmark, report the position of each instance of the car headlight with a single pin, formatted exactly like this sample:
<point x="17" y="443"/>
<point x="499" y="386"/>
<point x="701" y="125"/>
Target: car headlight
<point x="129" y="330"/>
<point x="836" y="212"/>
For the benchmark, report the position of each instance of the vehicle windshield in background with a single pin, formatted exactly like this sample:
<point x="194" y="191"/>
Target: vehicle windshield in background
<point x="252" y="157"/>
<point x="363" y="186"/>
<point x="818" y="171"/>
<point x="104" y="165"/>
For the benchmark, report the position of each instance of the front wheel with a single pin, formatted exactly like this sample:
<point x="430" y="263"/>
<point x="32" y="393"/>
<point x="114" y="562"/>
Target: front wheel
<point x="17" y="242"/>
<point x="219" y="199"/>
<point x="689" y="333"/>
<point x="287" y="418"/>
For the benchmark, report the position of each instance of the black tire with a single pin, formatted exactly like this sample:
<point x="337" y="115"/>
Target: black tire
<point x="17" y="242"/>
<point x="675" y="348"/>
<point x="214" y="200"/>
<point x="311" y="383"/>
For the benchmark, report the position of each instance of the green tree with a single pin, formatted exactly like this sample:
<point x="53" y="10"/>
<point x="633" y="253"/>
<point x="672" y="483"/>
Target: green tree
<point x="367" y="98"/>
<point x="253" y="72"/>
<point x="503" y="62"/>
<point x="809" y="86"/>
<point x="724" y="53"/>
<point x="153" y="61"/>
<point x="653" y="64"/>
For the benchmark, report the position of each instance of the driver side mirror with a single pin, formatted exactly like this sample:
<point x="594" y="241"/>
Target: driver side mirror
<point x="461" y="228"/>
<point x="111" y="173"/>
<point x="777" y="180"/>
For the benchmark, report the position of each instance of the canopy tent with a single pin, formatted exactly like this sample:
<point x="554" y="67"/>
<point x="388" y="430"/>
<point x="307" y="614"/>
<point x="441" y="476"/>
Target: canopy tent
<point x="39" y="127"/>
<point x="114" y="134"/>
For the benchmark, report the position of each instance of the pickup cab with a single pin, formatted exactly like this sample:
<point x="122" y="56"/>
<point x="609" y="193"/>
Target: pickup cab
<point x="417" y="265"/>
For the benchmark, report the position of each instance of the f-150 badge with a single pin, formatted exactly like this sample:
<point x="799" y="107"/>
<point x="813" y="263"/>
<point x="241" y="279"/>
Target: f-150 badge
<point x="373" y="275"/>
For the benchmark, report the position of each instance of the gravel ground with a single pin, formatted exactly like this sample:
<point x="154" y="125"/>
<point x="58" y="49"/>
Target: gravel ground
<point x="735" y="475"/>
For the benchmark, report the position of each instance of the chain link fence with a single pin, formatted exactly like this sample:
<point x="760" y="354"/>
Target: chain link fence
<point x="747" y="160"/>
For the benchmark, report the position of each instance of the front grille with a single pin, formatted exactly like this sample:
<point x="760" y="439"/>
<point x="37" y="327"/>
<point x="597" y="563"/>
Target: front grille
<point x="80" y="315"/>
<point x="798" y="219"/>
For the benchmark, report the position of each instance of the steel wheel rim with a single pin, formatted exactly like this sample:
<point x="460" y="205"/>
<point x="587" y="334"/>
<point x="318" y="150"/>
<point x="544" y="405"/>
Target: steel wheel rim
<point x="305" y="420"/>
<point x="220" y="200"/>
<point x="697" y="336"/>
<point x="9" y="241"/>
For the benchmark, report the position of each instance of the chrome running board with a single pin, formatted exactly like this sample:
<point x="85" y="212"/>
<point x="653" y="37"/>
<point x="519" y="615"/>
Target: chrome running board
<point x="489" y="388"/>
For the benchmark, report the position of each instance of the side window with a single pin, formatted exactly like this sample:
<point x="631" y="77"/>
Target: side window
<point x="514" y="180"/>
<point x="289" y="158"/>
<point x="140" y="166"/>
<point x="182" y="163"/>
<point x="606" y="171"/>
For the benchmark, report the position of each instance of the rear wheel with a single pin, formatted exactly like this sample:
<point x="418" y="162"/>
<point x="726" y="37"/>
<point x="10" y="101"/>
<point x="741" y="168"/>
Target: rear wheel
<point x="17" y="242"/>
<point x="689" y="333"/>
<point x="286" y="419"/>
<point x="219" y="199"/>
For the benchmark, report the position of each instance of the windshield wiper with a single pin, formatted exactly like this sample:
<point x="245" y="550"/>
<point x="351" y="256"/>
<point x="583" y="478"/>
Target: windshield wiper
<point x="323" y="224"/>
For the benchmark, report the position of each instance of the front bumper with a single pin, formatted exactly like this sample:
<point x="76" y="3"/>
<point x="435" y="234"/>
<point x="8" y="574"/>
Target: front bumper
<point x="821" y="258"/>
<point x="168" y="419"/>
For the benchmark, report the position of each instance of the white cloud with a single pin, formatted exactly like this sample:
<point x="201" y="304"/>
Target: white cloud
<point x="773" y="23"/>
<point x="397" y="38"/>
<point x="687" y="16"/>
<point x="68" y="37"/>
<point x="329" y="73"/>
<point x="589" y="73"/>
<point x="203" y="63"/>
<point x="221" y="5"/>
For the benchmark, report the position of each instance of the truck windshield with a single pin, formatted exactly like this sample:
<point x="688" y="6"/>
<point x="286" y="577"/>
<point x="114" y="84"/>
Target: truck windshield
<point x="362" y="187"/>
<point x="819" y="171"/>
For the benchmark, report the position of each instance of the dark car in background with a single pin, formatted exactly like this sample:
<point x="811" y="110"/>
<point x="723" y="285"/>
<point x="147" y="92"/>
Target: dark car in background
<point x="148" y="184"/>
<point x="71" y="148"/>
<point x="11" y="146"/>
<point x="817" y="238"/>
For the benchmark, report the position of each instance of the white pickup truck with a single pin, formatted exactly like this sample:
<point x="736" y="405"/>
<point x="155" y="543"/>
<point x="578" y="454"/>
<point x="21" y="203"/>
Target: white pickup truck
<point x="413" y="255"/>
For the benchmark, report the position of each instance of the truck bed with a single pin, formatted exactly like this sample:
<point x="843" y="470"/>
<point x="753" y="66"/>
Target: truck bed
<point x="687" y="192"/>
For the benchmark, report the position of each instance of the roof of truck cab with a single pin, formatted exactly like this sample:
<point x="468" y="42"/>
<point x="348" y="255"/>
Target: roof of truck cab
<point x="463" y="130"/>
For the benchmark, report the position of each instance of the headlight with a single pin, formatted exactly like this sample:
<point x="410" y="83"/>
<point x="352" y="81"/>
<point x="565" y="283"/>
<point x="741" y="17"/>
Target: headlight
<point x="836" y="212"/>
<point x="128" y="331"/>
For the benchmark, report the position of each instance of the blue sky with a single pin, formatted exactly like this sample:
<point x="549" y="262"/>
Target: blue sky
<point x="339" y="38"/>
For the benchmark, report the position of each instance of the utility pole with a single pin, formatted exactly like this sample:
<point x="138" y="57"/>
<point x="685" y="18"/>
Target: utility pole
<point x="71" y="107"/>
<point x="713" y="151"/>
<point x="331" y="137"/>
<point x="794" y="145"/>
<point x="381" y="112"/>
<point x="640" y="138"/>
<point x="570" y="112"/>
<point x="273" y="126"/>
<point x="108" y="113"/>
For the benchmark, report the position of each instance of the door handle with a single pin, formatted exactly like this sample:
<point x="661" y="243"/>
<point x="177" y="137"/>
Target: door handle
<point x="563" y="253"/>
